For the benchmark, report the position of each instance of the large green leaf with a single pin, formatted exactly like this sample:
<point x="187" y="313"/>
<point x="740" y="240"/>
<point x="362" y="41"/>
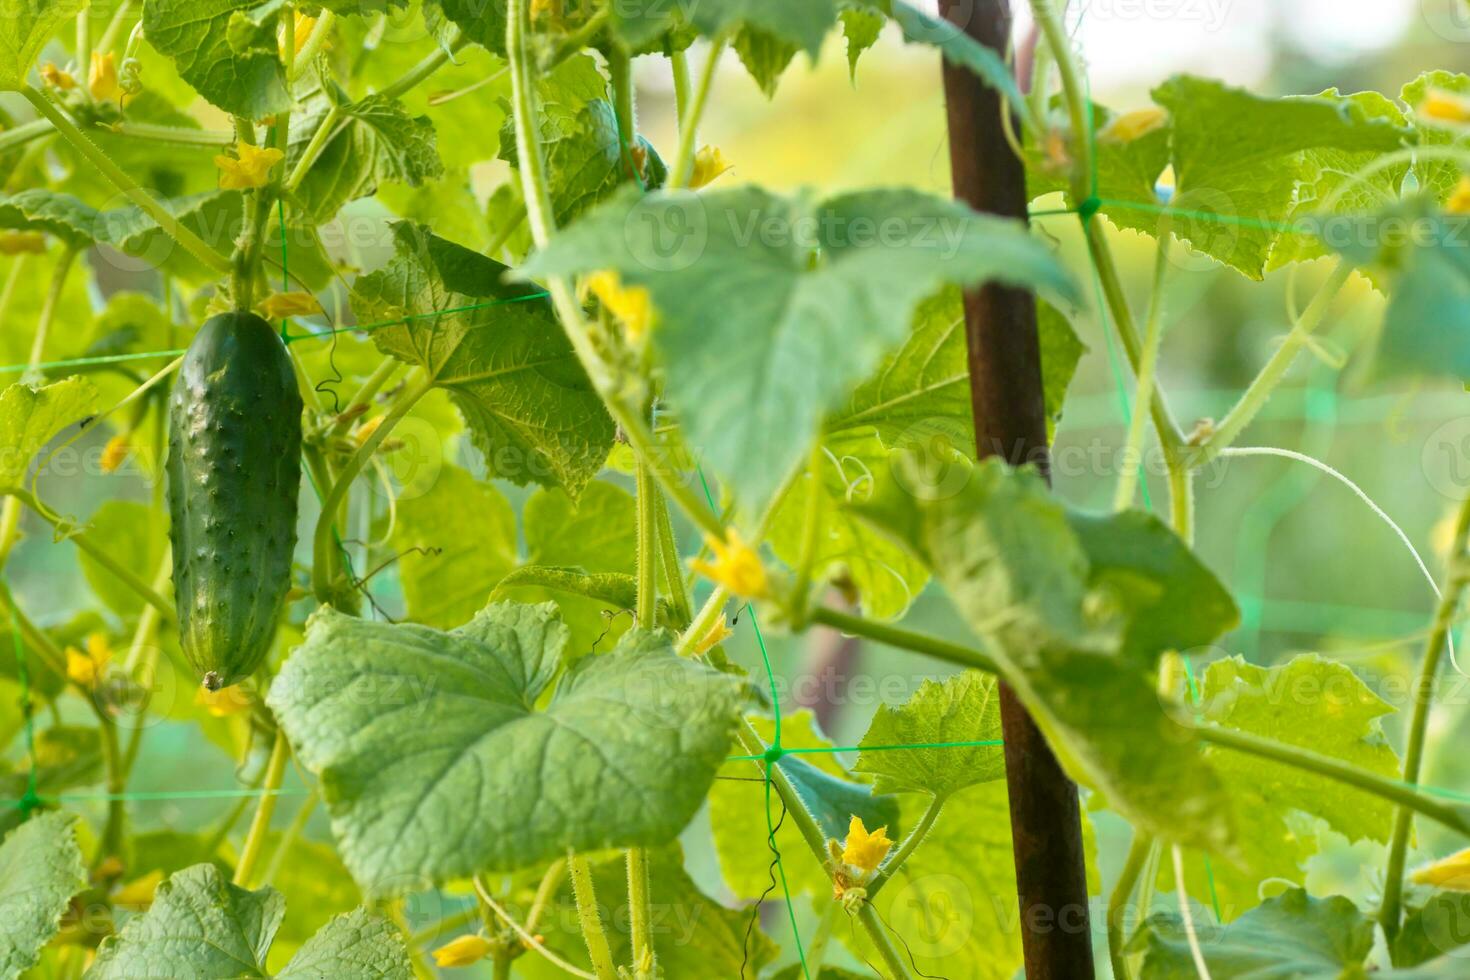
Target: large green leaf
<point x="201" y="926"/>
<point x="63" y="215"/>
<point x="799" y="26"/>
<point x="375" y="141"/>
<point x="29" y="24"/>
<point x="507" y="365"/>
<point x="962" y="708"/>
<point x="1291" y="937"/>
<point x="457" y="541"/>
<point x="40" y="870"/>
<point x="1052" y="613"/>
<point x="693" y="935"/>
<point x="1318" y="705"/>
<point x="134" y="534"/>
<point x="224" y="49"/>
<point x="773" y="308"/>
<point x="435" y="765"/>
<point x="31" y="417"/>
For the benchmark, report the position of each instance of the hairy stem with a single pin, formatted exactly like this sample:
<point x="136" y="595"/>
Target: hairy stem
<point x="170" y="225"/>
<point x="425" y="69"/>
<point x="275" y="772"/>
<point x="683" y="166"/>
<point x="620" y="70"/>
<point x="910" y="844"/>
<point x="1138" y="852"/>
<point x="156" y="133"/>
<point x="674" y="583"/>
<point x="588" y="915"/>
<point x="321" y="578"/>
<point x="868" y="917"/>
<point x="640" y="915"/>
<point x="704" y="621"/>
<point x="309" y="156"/>
<point x="313" y="45"/>
<point x="1389" y="910"/>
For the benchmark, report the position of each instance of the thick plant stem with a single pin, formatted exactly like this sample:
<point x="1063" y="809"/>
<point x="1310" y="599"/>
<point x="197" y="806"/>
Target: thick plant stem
<point x="321" y="578"/>
<point x="906" y="640"/>
<point x="910" y="844"/>
<point x="1388" y="789"/>
<point x="325" y="130"/>
<point x="704" y="621"/>
<point x="422" y="71"/>
<point x="640" y="915"/>
<point x="620" y="70"/>
<point x="648" y="550"/>
<point x="683" y="167"/>
<point x="674" y="585"/>
<point x="898" y="969"/>
<point x="563" y="297"/>
<point x="1133" y="866"/>
<point x="1389" y="910"/>
<point x="275" y="772"/>
<point x="313" y="45"/>
<point x="170" y="225"/>
<point x="1148" y="365"/>
<point x="1266" y="382"/>
<point x="588" y="915"/>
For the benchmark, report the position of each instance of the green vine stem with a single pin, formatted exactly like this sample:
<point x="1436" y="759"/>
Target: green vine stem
<point x="1389" y="910"/>
<point x="97" y="553"/>
<point x="170" y="225"/>
<point x="811" y="529"/>
<point x="1148" y="366"/>
<point x="293" y="831"/>
<point x="906" y="639"/>
<point x="620" y="71"/>
<point x="674" y="584"/>
<point x="564" y="299"/>
<point x="683" y="167"/>
<point x="157" y="133"/>
<point x="1260" y="389"/>
<point x="321" y="572"/>
<point x="878" y="935"/>
<point x="425" y="69"/>
<point x="910" y="844"/>
<point x="275" y="772"/>
<point x="49" y="307"/>
<point x="640" y="915"/>
<point x="640" y="909"/>
<point x="584" y="892"/>
<point x="683" y="82"/>
<point x="309" y="156"/>
<point x="524" y="932"/>
<point x="1133" y="865"/>
<point x="313" y="45"/>
<point x="114" y="26"/>
<point x="20" y="135"/>
<point x="704" y="621"/>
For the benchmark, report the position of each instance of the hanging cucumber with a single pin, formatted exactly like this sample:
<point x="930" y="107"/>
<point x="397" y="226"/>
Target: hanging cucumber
<point x="234" y="471"/>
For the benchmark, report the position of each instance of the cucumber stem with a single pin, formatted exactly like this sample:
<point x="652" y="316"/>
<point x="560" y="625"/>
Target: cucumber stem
<point x="1138" y="852"/>
<point x="910" y="844"/>
<point x="275" y="772"/>
<point x="420" y="72"/>
<point x="585" y="893"/>
<point x="171" y="226"/>
<point x="683" y="167"/>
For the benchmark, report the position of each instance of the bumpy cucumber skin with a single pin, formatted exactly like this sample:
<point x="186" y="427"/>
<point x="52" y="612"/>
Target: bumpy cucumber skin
<point x="234" y="474"/>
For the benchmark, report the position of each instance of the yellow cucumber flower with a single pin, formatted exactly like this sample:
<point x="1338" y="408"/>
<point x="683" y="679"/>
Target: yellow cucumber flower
<point x="22" y="243"/>
<point x="1444" y="107"/>
<point x="138" y="893"/>
<point x="1134" y="125"/>
<point x="632" y="305"/>
<point x="1459" y="202"/>
<point x="365" y="431"/>
<point x="252" y="169"/>
<point x="225" y="702"/>
<point x="102" y="78"/>
<point x="1449" y="873"/>
<point x="464" y="951"/>
<point x="115" y="453"/>
<point x="718" y="633"/>
<point x="56" y="78"/>
<point x="86" y="668"/>
<point x="736" y="566"/>
<point x="709" y="165"/>
<point x="865" y="851"/>
<point x="281" y="306"/>
<point x="302" y="29"/>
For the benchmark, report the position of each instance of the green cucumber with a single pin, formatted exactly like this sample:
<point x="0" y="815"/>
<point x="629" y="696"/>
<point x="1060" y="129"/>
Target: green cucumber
<point x="234" y="473"/>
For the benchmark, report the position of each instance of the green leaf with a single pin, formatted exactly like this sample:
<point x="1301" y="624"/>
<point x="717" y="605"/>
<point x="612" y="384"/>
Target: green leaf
<point x="802" y="25"/>
<point x="40" y="870"/>
<point x="958" y="47"/>
<point x="962" y="708"/>
<point x="765" y="56"/>
<point x="62" y="215"/>
<point x="229" y="57"/>
<point x="861" y="27"/>
<point x="135" y="534"/>
<point x="377" y="141"/>
<point x="457" y="541"/>
<point x="1433" y="928"/>
<point x="622" y="755"/>
<point x="693" y="935"/>
<point x="507" y="366"/>
<point x="773" y="308"/>
<point x="833" y="801"/>
<point x="28" y="26"/>
<point x="201" y="926"/>
<point x="1318" y="705"/>
<point x="1436" y="177"/>
<point x="482" y="21"/>
<point x="216" y="217"/>
<point x="1291" y="937"/>
<point x="31" y="417"/>
<point x="1427" y="272"/>
<point x="596" y="532"/>
<point x="1242" y="155"/>
<point x="1022" y="575"/>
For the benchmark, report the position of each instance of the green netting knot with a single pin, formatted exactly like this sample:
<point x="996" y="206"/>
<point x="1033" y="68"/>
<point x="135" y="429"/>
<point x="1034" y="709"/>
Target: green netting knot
<point x="1089" y="207"/>
<point x="773" y="755"/>
<point x="28" y="802"/>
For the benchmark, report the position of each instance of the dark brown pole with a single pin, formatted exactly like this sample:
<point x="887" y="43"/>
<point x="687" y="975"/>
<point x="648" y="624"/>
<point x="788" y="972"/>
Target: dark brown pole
<point x="1010" y="421"/>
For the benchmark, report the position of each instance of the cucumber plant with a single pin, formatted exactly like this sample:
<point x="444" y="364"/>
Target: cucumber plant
<point x="500" y="418"/>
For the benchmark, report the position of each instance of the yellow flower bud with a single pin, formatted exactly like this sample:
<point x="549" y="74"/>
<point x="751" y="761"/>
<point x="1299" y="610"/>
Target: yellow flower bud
<point x="86" y="668"/>
<point x="22" y="242"/>
<point x="56" y="78"/>
<point x="1134" y="125"/>
<point x="102" y="78"/>
<point x="630" y="304"/>
<point x="1459" y="202"/>
<point x="464" y="951"/>
<point x="736" y="566"/>
<point x="1444" y="107"/>
<point x="115" y="453"/>
<point x="1450" y="873"/>
<point x="281" y="306"/>
<point x="365" y="431"/>
<point x="865" y="851"/>
<point x="709" y="165"/>
<point x="251" y="169"/>
<point x="718" y="633"/>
